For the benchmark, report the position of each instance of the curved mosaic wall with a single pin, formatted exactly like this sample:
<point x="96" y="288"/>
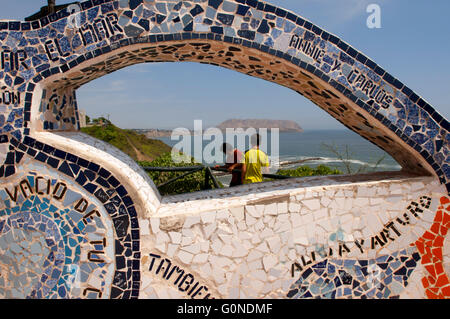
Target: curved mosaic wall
<point x="76" y="225"/>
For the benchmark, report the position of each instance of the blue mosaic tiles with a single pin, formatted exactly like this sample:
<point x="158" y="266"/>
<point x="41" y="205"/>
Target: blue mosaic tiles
<point x="36" y="252"/>
<point x="60" y="234"/>
<point x="74" y="221"/>
<point x="381" y="278"/>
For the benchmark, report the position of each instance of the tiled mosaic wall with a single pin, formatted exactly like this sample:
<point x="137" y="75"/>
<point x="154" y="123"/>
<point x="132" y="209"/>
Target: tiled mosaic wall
<point x="377" y="240"/>
<point x="77" y="219"/>
<point x="80" y="228"/>
<point x="58" y="110"/>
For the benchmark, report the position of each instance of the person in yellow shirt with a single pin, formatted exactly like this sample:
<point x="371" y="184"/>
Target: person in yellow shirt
<point x="253" y="162"/>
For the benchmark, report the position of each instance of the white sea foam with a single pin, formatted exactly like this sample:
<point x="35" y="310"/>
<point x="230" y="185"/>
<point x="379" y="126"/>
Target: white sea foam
<point x="326" y="160"/>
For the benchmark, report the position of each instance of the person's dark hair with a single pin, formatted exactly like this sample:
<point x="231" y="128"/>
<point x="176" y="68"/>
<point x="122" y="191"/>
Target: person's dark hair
<point x="226" y="147"/>
<point x="255" y="139"/>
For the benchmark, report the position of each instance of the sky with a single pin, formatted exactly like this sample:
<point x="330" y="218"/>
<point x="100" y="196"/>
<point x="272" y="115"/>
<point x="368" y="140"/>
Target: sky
<point x="412" y="44"/>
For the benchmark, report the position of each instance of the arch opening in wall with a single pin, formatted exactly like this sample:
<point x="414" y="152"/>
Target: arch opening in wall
<point x="214" y="95"/>
<point x="260" y="65"/>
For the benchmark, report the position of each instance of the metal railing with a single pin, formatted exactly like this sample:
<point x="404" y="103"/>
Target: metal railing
<point x="209" y="176"/>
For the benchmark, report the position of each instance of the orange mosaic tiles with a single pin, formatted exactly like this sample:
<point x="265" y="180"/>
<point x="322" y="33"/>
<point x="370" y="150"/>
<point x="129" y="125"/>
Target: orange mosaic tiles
<point x="436" y="282"/>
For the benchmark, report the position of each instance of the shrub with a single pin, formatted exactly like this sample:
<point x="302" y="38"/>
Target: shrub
<point x="303" y="171"/>
<point x="188" y="184"/>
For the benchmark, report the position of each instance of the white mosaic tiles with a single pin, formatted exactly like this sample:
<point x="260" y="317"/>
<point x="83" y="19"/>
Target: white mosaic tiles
<point x="247" y="251"/>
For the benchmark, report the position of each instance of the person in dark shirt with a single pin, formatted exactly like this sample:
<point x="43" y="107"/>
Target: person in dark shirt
<point x="233" y="161"/>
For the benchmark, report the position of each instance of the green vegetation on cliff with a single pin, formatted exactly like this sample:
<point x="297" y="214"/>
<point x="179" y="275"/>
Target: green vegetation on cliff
<point x="147" y="153"/>
<point x="137" y="146"/>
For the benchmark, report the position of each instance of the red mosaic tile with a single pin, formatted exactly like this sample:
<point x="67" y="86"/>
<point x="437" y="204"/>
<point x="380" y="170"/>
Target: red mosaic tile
<point x="446" y="291"/>
<point x="435" y="228"/>
<point x="438" y="242"/>
<point x="430" y="245"/>
<point x="425" y="282"/>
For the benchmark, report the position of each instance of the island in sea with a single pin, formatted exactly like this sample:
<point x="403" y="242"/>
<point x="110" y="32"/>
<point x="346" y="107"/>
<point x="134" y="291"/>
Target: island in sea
<point x="282" y="125"/>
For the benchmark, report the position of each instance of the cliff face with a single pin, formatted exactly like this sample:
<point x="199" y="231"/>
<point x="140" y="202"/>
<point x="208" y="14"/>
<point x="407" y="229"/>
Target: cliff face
<point x="283" y="125"/>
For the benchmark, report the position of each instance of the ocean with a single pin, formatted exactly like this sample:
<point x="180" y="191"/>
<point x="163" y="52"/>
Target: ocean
<point x="362" y="154"/>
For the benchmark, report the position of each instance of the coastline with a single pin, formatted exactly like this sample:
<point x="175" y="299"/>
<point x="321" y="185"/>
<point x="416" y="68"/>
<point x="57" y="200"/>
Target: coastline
<point x="310" y="144"/>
